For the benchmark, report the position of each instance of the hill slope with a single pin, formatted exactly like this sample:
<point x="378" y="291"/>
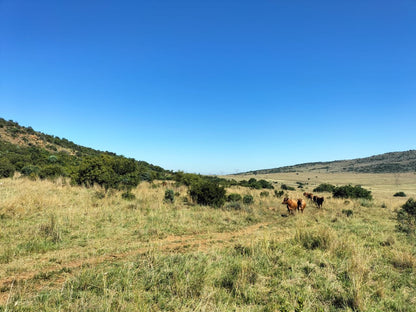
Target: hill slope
<point x="383" y="163"/>
<point x="36" y="154"/>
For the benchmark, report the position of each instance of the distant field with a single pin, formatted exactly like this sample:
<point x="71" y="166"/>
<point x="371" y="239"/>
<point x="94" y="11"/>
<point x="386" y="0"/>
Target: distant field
<point x="65" y="248"/>
<point x="381" y="184"/>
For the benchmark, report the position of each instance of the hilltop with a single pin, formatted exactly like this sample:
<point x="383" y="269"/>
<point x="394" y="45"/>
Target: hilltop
<point x="394" y="162"/>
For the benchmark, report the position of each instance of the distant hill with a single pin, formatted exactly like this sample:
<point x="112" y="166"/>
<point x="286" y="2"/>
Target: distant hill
<point x="384" y="163"/>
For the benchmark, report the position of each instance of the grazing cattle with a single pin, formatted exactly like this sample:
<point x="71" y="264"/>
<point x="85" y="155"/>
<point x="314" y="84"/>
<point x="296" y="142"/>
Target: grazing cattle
<point x="308" y="195"/>
<point x="291" y="204"/>
<point x="301" y="204"/>
<point x="319" y="201"/>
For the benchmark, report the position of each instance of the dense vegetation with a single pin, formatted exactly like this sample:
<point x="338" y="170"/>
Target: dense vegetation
<point x="52" y="157"/>
<point x="345" y="191"/>
<point x="349" y="191"/>
<point x="324" y="187"/>
<point x="208" y="193"/>
<point x="399" y="194"/>
<point x="406" y="217"/>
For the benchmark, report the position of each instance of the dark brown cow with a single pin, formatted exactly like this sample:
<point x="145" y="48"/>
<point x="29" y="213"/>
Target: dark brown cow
<point x="301" y="204"/>
<point x="319" y="201"/>
<point x="292" y="205"/>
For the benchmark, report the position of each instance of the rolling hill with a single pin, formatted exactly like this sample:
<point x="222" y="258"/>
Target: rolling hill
<point x="36" y="154"/>
<point x="384" y="163"/>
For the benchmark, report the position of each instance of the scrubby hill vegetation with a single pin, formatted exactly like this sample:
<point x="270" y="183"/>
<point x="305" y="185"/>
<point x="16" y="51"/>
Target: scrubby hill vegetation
<point x="394" y="162"/>
<point x="42" y="156"/>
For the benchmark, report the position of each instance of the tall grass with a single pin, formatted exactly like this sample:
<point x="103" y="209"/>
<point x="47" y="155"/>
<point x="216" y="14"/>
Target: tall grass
<point x="147" y="254"/>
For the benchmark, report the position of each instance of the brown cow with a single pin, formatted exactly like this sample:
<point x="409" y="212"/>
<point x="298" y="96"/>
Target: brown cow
<point x="292" y="205"/>
<point x="319" y="201"/>
<point x="308" y="195"/>
<point x="301" y="204"/>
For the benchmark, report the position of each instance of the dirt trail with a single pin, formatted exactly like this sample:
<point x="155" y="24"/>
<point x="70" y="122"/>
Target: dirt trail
<point x="170" y="243"/>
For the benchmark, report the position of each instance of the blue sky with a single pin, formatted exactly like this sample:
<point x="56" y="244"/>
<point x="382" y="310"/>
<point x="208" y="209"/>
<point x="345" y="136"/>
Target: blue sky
<point x="214" y="86"/>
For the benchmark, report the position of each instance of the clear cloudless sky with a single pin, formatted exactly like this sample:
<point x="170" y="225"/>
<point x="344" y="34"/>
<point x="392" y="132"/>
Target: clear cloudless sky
<point x="215" y="86"/>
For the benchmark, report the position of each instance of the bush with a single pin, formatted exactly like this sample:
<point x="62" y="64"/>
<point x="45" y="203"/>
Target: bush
<point x="248" y="199"/>
<point x="287" y="188"/>
<point x="6" y="168"/>
<point x="30" y="170"/>
<point x="400" y="194"/>
<point x="169" y="196"/>
<point x="278" y="193"/>
<point x="406" y="217"/>
<point x="253" y="183"/>
<point x="349" y="191"/>
<point x="207" y="193"/>
<point x="266" y="185"/>
<point x="234" y="197"/>
<point x="324" y="187"/>
<point x="264" y="194"/>
<point x="51" y="171"/>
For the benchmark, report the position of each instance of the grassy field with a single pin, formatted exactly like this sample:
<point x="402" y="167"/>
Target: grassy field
<point x="65" y="248"/>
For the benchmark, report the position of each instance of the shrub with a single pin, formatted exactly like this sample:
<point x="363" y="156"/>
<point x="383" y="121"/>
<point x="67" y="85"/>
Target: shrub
<point x="169" y="196"/>
<point x="324" y="187"/>
<point x="207" y="193"/>
<point x="278" y="193"/>
<point x="248" y="199"/>
<point x="30" y="170"/>
<point x="51" y="171"/>
<point x="234" y="197"/>
<point x="406" y="217"/>
<point x="264" y="194"/>
<point x="287" y="188"/>
<point x="6" y="168"/>
<point x="265" y="184"/>
<point x="400" y="194"/>
<point x="253" y="183"/>
<point x="349" y="191"/>
<point x="52" y="159"/>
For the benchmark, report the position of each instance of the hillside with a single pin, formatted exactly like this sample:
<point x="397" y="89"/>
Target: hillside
<point x="42" y="156"/>
<point x="394" y="162"/>
<point x="35" y="154"/>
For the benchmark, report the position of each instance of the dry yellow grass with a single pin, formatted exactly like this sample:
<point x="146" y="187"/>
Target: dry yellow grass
<point x="53" y="235"/>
